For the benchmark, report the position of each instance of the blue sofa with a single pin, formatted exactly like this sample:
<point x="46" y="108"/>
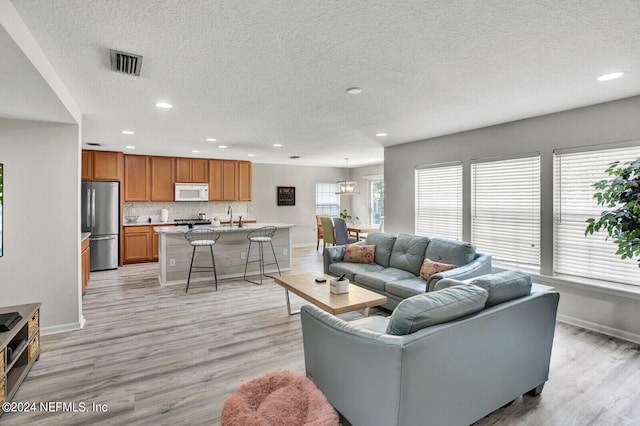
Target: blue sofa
<point x="447" y="357"/>
<point x="398" y="259"/>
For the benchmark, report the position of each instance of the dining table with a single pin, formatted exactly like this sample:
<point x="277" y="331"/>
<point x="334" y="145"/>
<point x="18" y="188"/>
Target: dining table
<point x="357" y="229"/>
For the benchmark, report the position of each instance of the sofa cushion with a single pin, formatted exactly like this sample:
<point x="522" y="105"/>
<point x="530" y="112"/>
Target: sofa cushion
<point x="351" y="269"/>
<point x="429" y="267"/>
<point x="450" y="251"/>
<point x="504" y="286"/>
<point x="384" y="244"/>
<point x="436" y="307"/>
<point x="356" y="253"/>
<point x="377" y="280"/>
<point x="406" y="288"/>
<point x="408" y="253"/>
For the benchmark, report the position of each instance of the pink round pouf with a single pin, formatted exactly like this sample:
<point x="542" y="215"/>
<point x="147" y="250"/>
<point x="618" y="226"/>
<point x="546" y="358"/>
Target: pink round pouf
<point x="282" y="398"/>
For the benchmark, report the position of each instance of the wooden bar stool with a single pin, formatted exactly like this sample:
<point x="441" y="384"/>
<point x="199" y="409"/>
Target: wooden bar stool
<point x="202" y="237"/>
<point x="261" y="236"/>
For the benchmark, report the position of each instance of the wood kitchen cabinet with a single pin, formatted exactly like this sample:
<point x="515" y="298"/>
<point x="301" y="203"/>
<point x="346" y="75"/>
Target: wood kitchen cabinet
<point x="137" y="178"/>
<point x="138" y="244"/>
<point x="244" y="182"/>
<point x="162" y="179"/>
<point x="85" y="256"/>
<point x="102" y="165"/>
<point x="192" y="170"/>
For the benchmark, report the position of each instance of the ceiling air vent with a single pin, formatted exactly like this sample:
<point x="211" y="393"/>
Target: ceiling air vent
<point x="93" y="143"/>
<point x="126" y="63"/>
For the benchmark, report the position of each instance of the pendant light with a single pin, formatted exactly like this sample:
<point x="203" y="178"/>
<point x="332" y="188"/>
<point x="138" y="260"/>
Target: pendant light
<point x="347" y="187"/>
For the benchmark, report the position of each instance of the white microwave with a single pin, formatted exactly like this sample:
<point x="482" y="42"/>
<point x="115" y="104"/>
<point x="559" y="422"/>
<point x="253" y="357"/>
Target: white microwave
<point x="192" y="192"/>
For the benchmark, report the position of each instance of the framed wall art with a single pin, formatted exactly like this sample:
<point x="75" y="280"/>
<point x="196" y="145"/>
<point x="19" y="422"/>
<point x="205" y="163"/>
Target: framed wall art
<point x="286" y="195"/>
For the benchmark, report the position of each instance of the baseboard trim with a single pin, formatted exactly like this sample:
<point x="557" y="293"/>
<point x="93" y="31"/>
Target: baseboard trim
<point x="599" y="328"/>
<point x="63" y="328"/>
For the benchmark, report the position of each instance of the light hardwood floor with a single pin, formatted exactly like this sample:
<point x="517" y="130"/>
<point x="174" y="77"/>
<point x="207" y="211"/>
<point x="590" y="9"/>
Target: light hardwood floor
<point x="155" y="355"/>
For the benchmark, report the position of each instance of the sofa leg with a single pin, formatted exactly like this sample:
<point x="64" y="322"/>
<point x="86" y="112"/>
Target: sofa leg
<point x="536" y="391"/>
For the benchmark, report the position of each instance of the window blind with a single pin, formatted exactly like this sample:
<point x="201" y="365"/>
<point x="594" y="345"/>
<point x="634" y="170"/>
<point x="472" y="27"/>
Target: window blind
<point x="438" y="201"/>
<point x="327" y="201"/>
<point x="575" y="254"/>
<point x="505" y="210"/>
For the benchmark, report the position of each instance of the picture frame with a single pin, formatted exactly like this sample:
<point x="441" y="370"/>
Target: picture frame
<point x="286" y="196"/>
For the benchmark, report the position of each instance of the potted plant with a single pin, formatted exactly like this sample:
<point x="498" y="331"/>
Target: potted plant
<point x="345" y="215"/>
<point x="621" y="196"/>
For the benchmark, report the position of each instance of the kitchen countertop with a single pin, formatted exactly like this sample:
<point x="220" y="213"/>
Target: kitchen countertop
<point x="181" y="229"/>
<point x="148" y="223"/>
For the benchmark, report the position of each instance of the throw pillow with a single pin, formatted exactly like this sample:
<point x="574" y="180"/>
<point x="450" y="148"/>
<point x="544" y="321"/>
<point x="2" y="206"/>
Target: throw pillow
<point x="429" y="267"/>
<point x="355" y="253"/>
<point x="436" y="307"/>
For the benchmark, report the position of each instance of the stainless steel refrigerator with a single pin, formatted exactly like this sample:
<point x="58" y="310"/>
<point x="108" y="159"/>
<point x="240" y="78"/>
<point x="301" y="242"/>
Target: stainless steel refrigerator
<point x="100" y="216"/>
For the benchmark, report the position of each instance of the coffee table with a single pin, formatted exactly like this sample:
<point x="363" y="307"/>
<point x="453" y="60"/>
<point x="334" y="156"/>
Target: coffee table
<point x="305" y="286"/>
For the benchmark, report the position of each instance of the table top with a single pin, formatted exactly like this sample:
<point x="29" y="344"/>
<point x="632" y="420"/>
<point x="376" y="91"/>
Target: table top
<point x="363" y="228"/>
<point x="304" y="285"/>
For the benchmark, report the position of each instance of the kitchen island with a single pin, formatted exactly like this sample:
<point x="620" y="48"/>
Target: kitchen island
<point x="174" y="253"/>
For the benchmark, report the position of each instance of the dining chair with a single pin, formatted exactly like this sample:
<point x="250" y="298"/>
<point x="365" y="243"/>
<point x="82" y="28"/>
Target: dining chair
<point x="342" y="236"/>
<point x="319" y="229"/>
<point x="328" y="234"/>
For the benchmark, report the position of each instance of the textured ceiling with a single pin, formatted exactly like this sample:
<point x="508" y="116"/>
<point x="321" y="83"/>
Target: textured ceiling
<point x="255" y="73"/>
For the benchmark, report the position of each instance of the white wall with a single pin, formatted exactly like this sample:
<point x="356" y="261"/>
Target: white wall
<point x="267" y="177"/>
<point x="614" y="312"/>
<point x="41" y="220"/>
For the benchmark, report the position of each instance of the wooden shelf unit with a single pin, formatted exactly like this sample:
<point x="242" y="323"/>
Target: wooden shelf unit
<point x="14" y="371"/>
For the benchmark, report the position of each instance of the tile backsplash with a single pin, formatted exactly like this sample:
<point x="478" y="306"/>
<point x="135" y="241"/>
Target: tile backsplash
<point x="188" y="210"/>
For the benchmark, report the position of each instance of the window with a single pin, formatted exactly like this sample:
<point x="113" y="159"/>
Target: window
<point x="438" y="201"/>
<point x="327" y="201"/>
<point x="592" y="256"/>
<point x="376" y="197"/>
<point x="505" y="210"/>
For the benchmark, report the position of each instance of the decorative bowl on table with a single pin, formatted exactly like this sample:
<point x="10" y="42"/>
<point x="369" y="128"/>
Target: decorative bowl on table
<point x="131" y="219"/>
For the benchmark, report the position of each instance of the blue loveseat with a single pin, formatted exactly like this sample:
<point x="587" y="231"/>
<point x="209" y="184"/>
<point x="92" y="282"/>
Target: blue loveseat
<point x="397" y="262"/>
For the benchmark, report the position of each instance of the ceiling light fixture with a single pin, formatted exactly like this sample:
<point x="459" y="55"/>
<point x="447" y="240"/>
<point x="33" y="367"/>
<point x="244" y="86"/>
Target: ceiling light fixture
<point x="128" y="132"/>
<point x="347" y="187"/>
<point x="354" y="90"/>
<point x="164" y="105"/>
<point x="130" y="147"/>
<point x="380" y="135"/>
<point x="251" y="155"/>
<point x="210" y="139"/>
<point x="195" y="151"/>
<point x="611" y="76"/>
<point x="222" y="146"/>
<point x="277" y="145"/>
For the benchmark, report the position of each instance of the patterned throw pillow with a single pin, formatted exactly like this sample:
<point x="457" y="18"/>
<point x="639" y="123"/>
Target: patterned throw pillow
<point x="429" y="267"/>
<point x="359" y="254"/>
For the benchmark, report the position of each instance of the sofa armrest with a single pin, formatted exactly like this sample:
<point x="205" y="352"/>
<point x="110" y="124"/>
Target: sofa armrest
<point x="332" y="255"/>
<point x="481" y="265"/>
<point x="345" y="360"/>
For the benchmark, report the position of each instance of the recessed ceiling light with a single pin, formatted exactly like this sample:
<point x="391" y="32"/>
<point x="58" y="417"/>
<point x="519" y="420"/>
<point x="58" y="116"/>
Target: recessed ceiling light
<point x="195" y="151"/>
<point x="128" y="132"/>
<point x="354" y="90"/>
<point x="381" y="134"/>
<point x="130" y="147"/>
<point x="251" y="155"/>
<point x="277" y="145"/>
<point x="164" y="105"/>
<point x="210" y="139"/>
<point x="611" y="76"/>
<point x="222" y="146"/>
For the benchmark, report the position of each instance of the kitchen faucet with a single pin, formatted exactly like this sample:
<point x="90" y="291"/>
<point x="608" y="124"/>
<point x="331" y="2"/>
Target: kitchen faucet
<point x="230" y="213"/>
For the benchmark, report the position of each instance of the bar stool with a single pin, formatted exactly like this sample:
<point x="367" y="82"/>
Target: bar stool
<point x="202" y="237"/>
<point x="261" y="236"/>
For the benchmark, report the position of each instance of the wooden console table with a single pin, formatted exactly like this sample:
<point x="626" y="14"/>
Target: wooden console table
<point x="24" y="341"/>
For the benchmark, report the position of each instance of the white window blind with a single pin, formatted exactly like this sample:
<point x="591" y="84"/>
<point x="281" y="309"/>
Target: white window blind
<point x="575" y="254"/>
<point x="505" y="210"/>
<point x="438" y="201"/>
<point x="327" y="201"/>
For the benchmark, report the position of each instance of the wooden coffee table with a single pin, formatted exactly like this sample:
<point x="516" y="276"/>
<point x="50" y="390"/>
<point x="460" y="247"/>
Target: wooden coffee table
<point x="305" y="286"/>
